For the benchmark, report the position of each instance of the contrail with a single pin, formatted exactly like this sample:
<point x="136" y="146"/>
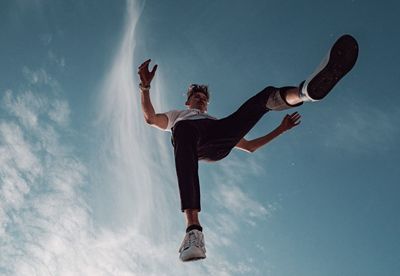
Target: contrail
<point x="135" y="160"/>
<point x="118" y="215"/>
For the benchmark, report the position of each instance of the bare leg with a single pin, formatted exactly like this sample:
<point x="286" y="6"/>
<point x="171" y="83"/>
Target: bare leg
<point x="292" y="96"/>
<point x="192" y="217"/>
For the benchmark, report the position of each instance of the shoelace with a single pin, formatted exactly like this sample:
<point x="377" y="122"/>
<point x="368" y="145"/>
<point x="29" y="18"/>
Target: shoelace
<point x="191" y="239"/>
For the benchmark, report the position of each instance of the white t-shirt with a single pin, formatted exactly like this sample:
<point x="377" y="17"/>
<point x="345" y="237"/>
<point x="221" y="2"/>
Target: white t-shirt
<point x="175" y="116"/>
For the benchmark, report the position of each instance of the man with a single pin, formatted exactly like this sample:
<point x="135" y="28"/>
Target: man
<point x="199" y="136"/>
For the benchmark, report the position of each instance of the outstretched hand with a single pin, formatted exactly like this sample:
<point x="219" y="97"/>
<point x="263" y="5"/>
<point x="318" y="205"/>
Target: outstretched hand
<point x="145" y="75"/>
<point x="290" y="121"/>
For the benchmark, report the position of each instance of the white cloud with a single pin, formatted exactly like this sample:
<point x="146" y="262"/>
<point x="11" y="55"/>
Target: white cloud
<point x="18" y="153"/>
<point x="141" y="165"/>
<point x="232" y="173"/>
<point x="38" y="186"/>
<point x="238" y="170"/>
<point x="235" y="200"/>
<point x="26" y="107"/>
<point x="40" y="77"/>
<point x="59" y="112"/>
<point x="47" y="225"/>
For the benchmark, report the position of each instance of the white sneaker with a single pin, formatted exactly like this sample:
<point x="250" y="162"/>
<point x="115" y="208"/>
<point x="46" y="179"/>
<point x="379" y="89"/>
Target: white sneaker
<point x="339" y="61"/>
<point x="192" y="247"/>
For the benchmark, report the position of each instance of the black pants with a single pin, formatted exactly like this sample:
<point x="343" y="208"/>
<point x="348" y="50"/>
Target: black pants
<point x="212" y="140"/>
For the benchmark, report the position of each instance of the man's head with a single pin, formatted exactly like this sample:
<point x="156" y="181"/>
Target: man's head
<point x="197" y="97"/>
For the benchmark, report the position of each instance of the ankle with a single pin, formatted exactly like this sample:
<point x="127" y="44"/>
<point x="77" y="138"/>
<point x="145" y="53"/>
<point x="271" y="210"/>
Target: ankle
<point x="194" y="227"/>
<point x="291" y="95"/>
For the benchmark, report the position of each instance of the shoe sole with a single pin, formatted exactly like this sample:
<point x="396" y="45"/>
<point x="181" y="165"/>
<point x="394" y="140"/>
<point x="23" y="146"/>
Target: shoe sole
<point x="342" y="58"/>
<point x="194" y="259"/>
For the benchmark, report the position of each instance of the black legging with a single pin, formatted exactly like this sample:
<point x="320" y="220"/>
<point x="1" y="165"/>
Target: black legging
<point x="212" y="140"/>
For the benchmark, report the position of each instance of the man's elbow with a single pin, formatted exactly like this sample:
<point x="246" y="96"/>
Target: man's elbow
<point x="149" y="120"/>
<point x="249" y="147"/>
<point x="246" y="149"/>
<point x="245" y="146"/>
<point x="250" y="150"/>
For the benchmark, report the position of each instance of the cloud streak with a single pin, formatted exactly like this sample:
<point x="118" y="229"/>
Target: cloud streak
<point x="120" y="216"/>
<point x="40" y="180"/>
<point x="140" y="168"/>
<point x="229" y="194"/>
<point x="360" y="128"/>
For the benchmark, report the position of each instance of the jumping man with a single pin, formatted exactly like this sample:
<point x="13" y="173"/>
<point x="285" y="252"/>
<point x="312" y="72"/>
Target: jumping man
<point x="198" y="136"/>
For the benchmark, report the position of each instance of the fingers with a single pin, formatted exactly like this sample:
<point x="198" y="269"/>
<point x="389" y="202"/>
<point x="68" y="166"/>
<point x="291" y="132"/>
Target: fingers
<point x="145" y="75"/>
<point x="154" y="70"/>
<point x="295" y="116"/>
<point x="144" y="64"/>
<point x="144" y="68"/>
<point x="296" y="123"/>
<point x="293" y="119"/>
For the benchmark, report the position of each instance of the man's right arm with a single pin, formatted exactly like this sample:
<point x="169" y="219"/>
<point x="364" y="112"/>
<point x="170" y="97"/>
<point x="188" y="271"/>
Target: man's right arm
<point x="159" y="120"/>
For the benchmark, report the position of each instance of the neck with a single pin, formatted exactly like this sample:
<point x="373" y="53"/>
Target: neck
<point x="202" y="111"/>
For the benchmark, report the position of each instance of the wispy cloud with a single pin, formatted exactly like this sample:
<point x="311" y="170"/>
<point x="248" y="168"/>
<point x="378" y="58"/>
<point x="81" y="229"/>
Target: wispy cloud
<point x="40" y="208"/>
<point x="361" y="128"/>
<point x="26" y="107"/>
<point x="41" y="77"/>
<point x="55" y="59"/>
<point x="47" y="224"/>
<point x="59" y="112"/>
<point x="233" y="198"/>
<point x="142" y="168"/>
<point x="229" y="193"/>
<point x="234" y="207"/>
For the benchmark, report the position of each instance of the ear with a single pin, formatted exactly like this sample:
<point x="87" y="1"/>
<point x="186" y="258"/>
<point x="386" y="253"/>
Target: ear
<point x="187" y="101"/>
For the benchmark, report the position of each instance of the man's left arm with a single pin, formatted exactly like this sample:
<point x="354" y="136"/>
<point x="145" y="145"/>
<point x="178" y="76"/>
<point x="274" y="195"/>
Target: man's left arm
<point x="287" y="123"/>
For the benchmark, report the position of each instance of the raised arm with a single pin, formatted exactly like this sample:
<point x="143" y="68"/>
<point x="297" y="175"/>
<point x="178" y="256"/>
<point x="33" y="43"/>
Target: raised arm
<point x="159" y="120"/>
<point x="288" y="122"/>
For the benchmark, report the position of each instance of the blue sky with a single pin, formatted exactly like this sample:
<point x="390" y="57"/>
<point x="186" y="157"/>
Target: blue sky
<point x="87" y="188"/>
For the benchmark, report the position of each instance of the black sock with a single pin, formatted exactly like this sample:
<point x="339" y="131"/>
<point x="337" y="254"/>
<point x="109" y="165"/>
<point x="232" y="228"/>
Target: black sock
<point x="193" y="227"/>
